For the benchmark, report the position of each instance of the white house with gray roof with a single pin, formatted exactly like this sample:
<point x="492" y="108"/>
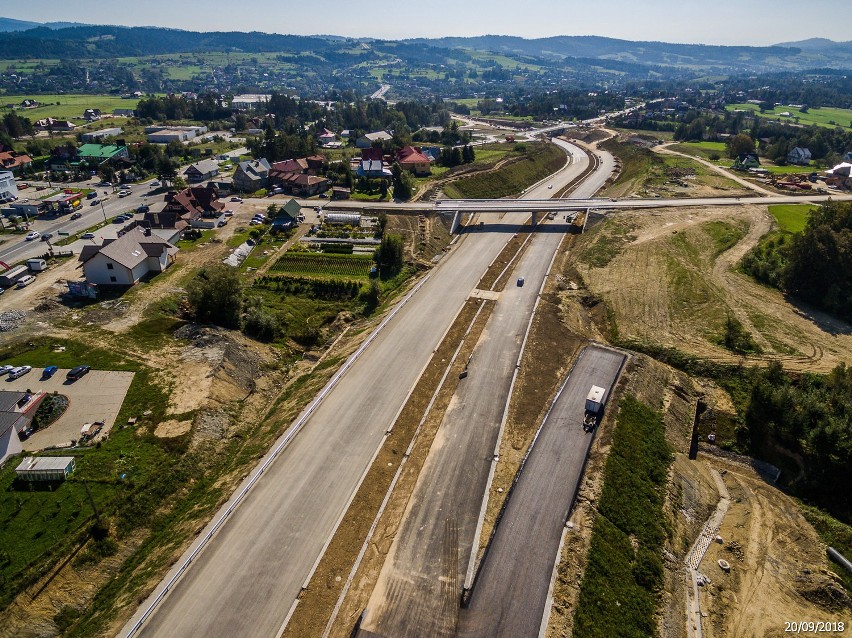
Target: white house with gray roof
<point x="124" y="261"/>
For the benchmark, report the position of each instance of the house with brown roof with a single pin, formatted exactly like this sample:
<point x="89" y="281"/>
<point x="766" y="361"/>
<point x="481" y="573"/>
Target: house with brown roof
<point x="412" y="159"/>
<point x="50" y="124"/>
<point x="125" y="260"/>
<point x="196" y="207"/>
<point x="298" y="176"/>
<point x="326" y="137"/>
<point x="12" y="161"/>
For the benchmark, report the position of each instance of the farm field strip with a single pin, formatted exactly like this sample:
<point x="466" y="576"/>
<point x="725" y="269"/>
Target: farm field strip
<point x="323" y="265"/>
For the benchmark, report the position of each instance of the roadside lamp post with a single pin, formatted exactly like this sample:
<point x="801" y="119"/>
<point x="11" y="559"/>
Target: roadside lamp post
<point x="103" y="210"/>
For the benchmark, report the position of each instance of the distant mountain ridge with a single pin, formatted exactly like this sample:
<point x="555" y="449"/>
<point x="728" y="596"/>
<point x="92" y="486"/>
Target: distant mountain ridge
<point x="10" y="24"/>
<point x="27" y="40"/>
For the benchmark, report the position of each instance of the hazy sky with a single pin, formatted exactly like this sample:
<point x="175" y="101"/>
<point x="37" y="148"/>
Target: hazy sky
<point x="747" y="22"/>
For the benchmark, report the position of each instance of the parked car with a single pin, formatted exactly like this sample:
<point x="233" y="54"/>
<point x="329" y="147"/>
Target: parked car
<point x="91" y="195"/>
<point x="222" y="222"/>
<point x="95" y="202"/>
<point x="119" y="219"/>
<point x="47" y="236"/>
<point x="33" y="234"/>
<point x="40" y="188"/>
<point x="323" y="196"/>
<point x="155" y="183"/>
<point x="48" y="372"/>
<point x="87" y="236"/>
<point x="236" y="199"/>
<point x="76" y="215"/>
<point x="105" y="184"/>
<point x="6" y="369"/>
<point x="23" y="185"/>
<point x="255" y="222"/>
<point x="20" y="371"/>
<point x="143" y="209"/>
<point x="229" y="213"/>
<point x="25" y="281"/>
<point x="77" y="373"/>
<point x="124" y="193"/>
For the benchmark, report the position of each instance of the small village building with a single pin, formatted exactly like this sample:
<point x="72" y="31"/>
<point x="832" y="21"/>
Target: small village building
<point x="366" y="141"/>
<point x="201" y="171"/>
<point x="95" y="136"/>
<point x="251" y="175"/>
<point x="45" y="468"/>
<point x="799" y="156"/>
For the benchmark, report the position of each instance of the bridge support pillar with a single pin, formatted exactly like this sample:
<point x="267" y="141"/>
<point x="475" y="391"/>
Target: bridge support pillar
<point x="455" y="225"/>
<point x="535" y="219"/>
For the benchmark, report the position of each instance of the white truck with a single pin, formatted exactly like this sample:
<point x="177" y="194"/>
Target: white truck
<point x="594" y="407"/>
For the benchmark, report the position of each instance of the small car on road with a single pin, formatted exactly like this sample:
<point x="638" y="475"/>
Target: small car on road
<point x="46" y="236"/>
<point x="95" y="202"/>
<point x="520" y="281"/>
<point x="236" y="199"/>
<point x="33" y="234"/>
<point x="76" y="215"/>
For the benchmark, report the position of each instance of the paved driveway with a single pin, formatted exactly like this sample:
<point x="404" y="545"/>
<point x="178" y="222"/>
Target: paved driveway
<point x="96" y="397"/>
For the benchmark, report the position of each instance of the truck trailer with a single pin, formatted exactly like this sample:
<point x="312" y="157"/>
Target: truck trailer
<point x="594" y="407"/>
<point x="11" y="276"/>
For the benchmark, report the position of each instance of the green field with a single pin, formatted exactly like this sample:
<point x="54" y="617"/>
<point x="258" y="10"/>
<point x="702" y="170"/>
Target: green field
<point x="539" y="161"/>
<point x="68" y="107"/>
<point x="701" y="149"/>
<point x="323" y="265"/>
<point x="818" y="116"/>
<point x="791" y="217"/>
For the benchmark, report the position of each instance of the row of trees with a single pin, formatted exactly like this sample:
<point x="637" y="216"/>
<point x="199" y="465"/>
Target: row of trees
<point x="811" y="417"/>
<point x="456" y="156"/>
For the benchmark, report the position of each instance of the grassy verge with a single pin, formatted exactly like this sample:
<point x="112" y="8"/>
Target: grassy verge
<point x="834" y="534"/>
<point x="39" y="526"/>
<point x="792" y="218"/>
<point x="539" y="161"/>
<point x="620" y="588"/>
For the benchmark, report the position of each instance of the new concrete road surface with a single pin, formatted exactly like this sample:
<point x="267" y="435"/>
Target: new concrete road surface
<point x="510" y="591"/>
<point x="248" y="576"/>
<point x="419" y="587"/>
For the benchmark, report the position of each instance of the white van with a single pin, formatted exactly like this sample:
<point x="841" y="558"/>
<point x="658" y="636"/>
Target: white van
<point x="25" y="281"/>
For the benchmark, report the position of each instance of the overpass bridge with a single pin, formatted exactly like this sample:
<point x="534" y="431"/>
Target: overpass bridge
<point x="536" y="207"/>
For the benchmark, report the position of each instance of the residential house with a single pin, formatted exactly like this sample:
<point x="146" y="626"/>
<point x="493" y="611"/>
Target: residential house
<point x="164" y="134"/>
<point x="202" y="170"/>
<point x="746" y="161"/>
<point x="50" y="124"/>
<point x="125" y="260"/>
<point x="411" y="159"/>
<point x="17" y="410"/>
<point x="800" y="156"/>
<point x="251" y="175"/>
<point x="196" y="207"/>
<point x="98" y="154"/>
<point x="14" y="162"/>
<point x="92" y="115"/>
<point x="339" y="192"/>
<point x="840" y="176"/>
<point x="371" y="168"/>
<point x="366" y="141"/>
<point x="124" y="112"/>
<point x="304" y="185"/>
<point x="326" y="137"/>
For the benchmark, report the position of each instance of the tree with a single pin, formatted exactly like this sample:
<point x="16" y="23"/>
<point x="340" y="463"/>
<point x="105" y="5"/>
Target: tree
<point x="215" y="295"/>
<point x="739" y="144"/>
<point x="389" y="255"/>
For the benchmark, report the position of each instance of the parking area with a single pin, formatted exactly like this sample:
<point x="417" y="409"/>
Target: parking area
<point x="96" y="397"/>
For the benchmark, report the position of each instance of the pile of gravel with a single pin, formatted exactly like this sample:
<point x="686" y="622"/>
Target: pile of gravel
<point x="11" y="319"/>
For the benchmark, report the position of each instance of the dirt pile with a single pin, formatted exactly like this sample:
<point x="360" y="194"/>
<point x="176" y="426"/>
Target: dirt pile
<point x="824" y="589"/>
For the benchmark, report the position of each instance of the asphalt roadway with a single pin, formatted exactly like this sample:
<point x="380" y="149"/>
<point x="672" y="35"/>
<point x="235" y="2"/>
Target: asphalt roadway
<point x="247" y="578"/>
<point x="419" y="587"/>
<point x="511" y="588"/>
